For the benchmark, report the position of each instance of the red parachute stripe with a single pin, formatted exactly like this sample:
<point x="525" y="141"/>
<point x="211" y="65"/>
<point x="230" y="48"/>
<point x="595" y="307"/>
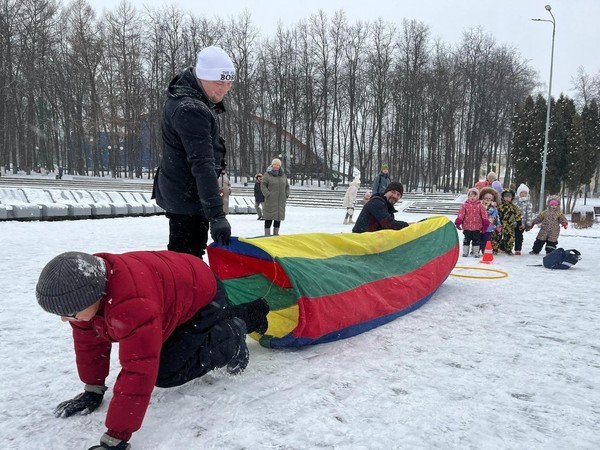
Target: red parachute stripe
<point x="227" y="264"/>
<point x="370" y="300"/>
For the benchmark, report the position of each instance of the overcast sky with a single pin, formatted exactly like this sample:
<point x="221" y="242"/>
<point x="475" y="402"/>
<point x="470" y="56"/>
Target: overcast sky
<point x="509" y="21"/>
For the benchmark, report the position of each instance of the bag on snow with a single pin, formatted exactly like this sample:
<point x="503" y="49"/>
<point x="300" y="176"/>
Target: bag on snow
<point x="561" y="258"/>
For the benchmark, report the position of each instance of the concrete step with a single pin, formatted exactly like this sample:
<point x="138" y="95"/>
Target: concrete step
<point x="303" y="196"/>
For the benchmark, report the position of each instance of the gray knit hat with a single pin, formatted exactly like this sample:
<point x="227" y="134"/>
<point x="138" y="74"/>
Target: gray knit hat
<point x="71" y="282"/>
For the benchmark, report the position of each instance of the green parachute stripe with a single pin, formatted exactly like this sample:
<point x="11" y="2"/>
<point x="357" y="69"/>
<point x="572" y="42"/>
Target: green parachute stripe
<point x="318" y="277"/>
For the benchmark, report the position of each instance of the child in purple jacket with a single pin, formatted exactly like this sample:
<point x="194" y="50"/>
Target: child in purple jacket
<point x="489" y="197"/>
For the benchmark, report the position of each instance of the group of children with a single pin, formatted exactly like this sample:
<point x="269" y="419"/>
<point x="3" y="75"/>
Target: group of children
<point x="494" y="214"/>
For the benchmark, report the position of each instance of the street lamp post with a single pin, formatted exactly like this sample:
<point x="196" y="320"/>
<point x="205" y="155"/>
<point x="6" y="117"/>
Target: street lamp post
<point x="546" y="135"/>
<point x="110" y="161"/>
<point x="91" y="156"/>
<point x="120" y="160"/>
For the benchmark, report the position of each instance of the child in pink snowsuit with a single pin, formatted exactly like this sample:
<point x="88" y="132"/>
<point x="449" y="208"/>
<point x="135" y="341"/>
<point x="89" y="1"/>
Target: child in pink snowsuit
<point x="473" y="220"/>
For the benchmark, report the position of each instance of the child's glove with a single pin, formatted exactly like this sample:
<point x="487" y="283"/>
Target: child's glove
<point x="521" y="228"/>
<point x="565" y="225"/>
<point x="458" y="224"/>
<point x="85" y="403"/>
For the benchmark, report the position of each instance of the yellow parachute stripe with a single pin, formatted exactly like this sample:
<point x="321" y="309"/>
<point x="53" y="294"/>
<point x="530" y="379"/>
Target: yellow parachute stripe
<point x="323" y="245"/>
<point x="281" y="322"/>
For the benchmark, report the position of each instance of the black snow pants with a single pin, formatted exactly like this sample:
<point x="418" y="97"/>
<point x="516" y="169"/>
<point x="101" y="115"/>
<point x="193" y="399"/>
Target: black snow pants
<point x="205" y="342"/>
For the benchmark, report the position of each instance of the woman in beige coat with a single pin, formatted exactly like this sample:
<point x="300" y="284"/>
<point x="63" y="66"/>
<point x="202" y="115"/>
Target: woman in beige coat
<point x="350" y="200"/>
<point x="276" y="190"/>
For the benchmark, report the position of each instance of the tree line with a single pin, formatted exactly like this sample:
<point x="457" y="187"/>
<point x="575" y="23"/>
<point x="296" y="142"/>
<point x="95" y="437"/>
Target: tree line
<point x="84" y="92"/>
<point x="573" y="146"/>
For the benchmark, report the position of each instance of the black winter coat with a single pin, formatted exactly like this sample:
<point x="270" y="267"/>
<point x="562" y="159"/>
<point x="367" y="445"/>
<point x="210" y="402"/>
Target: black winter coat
<point x="377" y="214"/>
<point x="259" y="197"/>
<point x="193" y="151"/>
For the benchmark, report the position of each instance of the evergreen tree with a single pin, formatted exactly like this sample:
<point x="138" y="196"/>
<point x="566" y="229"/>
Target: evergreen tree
<point x="522" y="127"/>
<point x="529" y="125"/>
<point x="563" y="143"/>
<point x="590" y="124"/>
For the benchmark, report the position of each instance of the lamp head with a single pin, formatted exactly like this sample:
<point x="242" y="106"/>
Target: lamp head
<point x="548" y="7"/>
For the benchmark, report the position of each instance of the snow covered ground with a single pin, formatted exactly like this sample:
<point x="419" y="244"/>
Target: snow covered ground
<point x="486" y="364"/>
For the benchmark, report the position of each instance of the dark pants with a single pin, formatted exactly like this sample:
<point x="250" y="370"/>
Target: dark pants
<point x="187" y="234"/>
<point x="485" y="238"/>
<point x="473" y="236"/>
<point x="275" y="223"/>
<point x="550" y="246"/>
<point x="203" y="343"/>
<point x="518" y="239"/>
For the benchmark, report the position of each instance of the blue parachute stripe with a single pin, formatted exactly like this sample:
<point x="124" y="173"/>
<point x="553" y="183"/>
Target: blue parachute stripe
<point x="244" y="248"/>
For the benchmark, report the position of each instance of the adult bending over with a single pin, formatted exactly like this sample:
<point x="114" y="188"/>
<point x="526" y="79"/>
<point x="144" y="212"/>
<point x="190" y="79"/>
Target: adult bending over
<point x="378" y="213"/>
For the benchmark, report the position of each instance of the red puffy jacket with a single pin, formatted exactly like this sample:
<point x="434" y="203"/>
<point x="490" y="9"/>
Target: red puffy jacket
<point x="148" y="294"/>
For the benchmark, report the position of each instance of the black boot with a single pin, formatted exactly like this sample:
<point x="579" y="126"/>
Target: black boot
<point x="239" y="360"/>
<point x="254" y="314"/>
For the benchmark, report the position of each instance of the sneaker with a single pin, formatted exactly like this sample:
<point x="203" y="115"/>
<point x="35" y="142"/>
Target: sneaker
<point x="534" y="253"/>
<point x="518" y="253"/>
<point x="239" y="360"/>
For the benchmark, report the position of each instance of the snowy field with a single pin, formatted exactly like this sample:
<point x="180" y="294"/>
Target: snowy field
<point x="511" y="363"/>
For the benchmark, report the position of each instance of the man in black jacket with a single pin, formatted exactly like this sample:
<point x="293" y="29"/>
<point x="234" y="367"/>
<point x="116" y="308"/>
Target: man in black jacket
<point x="193" y="156"/>
<point x="378" y="212"/>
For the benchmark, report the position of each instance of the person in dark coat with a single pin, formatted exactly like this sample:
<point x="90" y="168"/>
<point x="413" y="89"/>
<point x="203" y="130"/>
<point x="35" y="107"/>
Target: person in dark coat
<point x="259" y="197"/>
<point x="185" y="185"/>
<point x="378" y="212"/>
<point x="276" y="190"/>
<point x="166" y="310"/>
<point x="381" y="181"/>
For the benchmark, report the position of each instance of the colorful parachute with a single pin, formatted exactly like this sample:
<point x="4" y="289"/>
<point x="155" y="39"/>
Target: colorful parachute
<point x="323" y="287"/>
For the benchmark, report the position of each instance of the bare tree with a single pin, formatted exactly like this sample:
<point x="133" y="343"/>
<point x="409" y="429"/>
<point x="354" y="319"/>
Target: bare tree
<point x="243" y="97"/>
<point x="124" y="87"/>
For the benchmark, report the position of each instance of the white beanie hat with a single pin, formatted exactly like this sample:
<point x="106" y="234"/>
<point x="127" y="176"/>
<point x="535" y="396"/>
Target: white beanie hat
<point x="213" y="64"/>
<point x="522" y="188"/>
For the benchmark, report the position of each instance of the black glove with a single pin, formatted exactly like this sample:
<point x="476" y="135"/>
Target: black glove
<point x="220" y="230"/>
<point x="254" y="314"/>
<point x="109" y="442"/>
<point x="86" y="402"/>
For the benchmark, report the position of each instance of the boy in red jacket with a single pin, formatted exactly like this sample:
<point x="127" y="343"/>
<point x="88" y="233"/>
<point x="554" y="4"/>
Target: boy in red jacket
<point x="167" y="312"/>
